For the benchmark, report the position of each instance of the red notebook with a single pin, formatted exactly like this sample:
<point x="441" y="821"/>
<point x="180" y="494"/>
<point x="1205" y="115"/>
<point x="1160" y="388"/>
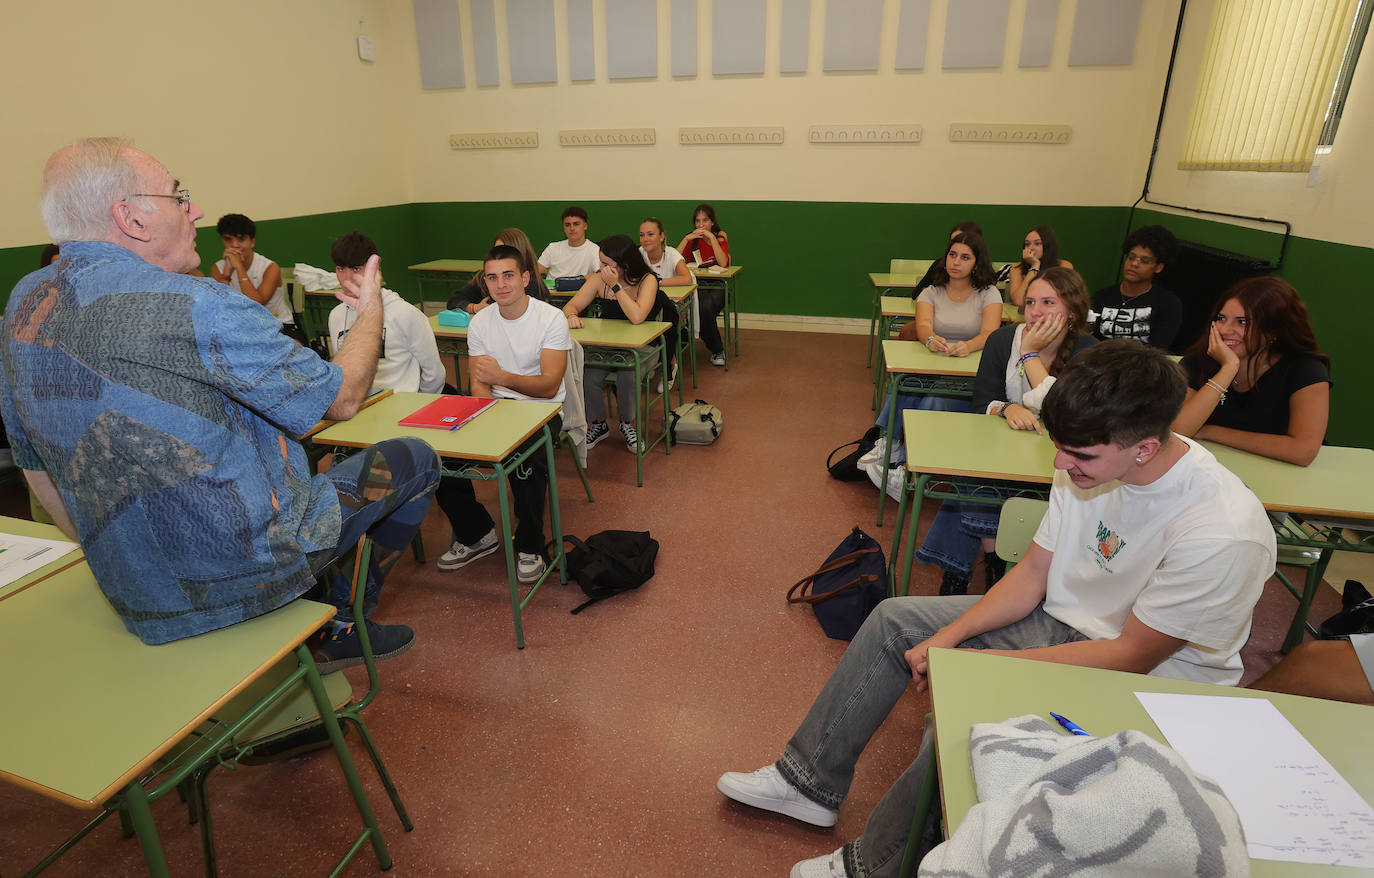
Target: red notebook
<point x="448" y="412"/>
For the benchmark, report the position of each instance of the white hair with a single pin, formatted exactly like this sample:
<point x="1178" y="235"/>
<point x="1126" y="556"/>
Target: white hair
<point x="81" y="182"/>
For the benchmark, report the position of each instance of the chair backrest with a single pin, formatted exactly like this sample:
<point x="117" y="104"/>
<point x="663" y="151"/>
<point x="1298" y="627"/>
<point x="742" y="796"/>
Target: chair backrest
<point x="1015" y="530"/>
<point x="917" y="267"/>
<point x="295" y="293"/>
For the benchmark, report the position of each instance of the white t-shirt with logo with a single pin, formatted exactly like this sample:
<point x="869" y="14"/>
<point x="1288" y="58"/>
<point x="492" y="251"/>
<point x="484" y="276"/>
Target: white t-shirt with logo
<point x="516" y="344"/>
<point x="563" y="260"/>
<point x="1188" y="554"/>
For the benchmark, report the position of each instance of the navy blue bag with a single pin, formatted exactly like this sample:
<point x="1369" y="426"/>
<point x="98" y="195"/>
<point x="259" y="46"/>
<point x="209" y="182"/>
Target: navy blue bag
<point x="847" y="586"/>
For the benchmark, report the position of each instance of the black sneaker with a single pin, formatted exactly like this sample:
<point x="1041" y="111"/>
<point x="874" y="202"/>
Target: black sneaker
<point x="596" y="431"/>
<point x="953" y="584"/>
<point x="343" y="648"/>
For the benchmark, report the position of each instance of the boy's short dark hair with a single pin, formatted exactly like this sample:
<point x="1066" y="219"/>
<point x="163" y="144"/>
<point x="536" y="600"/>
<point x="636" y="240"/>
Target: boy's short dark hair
<point x="574" y="210"/>
<point x="352" y="250"/>
<point x="1117" y="392"/>
<point x="1157" y="239"/>
<point x="505" y="251"/>
<point x="236" y="224"/>
<point x="48" y="253"/>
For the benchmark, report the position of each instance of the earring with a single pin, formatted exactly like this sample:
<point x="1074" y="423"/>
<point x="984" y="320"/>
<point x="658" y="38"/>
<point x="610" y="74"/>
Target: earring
<point x="1140" y="460"/>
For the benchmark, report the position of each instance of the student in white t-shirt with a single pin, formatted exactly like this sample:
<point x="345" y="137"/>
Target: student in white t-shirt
<point x="249" y="272"/>
<point x="575" y="257"/>
<point x="1150" y="560"/>
<point x="665" y="261"/>
<point x="408" y="361"/>
<point x="517" y="350"/>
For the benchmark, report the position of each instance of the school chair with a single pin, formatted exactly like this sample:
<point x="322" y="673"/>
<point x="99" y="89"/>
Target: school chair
<point x="1016" y="528"/>
<point x="290" y="717"/>
<point x="1312" y="560"/>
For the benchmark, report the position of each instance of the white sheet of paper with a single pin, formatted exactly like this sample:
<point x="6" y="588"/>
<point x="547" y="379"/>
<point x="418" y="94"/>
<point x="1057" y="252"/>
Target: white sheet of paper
<point x="1293" y="805"/>
<point x="20" y="556"/>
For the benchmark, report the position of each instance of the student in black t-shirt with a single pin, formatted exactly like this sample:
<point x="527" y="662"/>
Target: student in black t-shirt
<point x="1257" y="381"/>
<point x="1138" y="307"/>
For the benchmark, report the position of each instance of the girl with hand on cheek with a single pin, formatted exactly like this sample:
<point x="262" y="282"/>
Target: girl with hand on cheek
<point x="1017" y="370"/>
<point x="1257" y="380"/>
<point x="1039" y="253"/>
<point x="708" y="245"/>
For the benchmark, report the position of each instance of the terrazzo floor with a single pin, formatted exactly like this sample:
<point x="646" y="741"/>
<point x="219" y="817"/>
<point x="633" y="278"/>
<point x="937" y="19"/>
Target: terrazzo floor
<point x="594" y="751"/>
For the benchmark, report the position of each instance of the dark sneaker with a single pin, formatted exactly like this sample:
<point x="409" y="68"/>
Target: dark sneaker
<point x="631" y="436"/>
<point x="343" y="648"/>
<point x="596" y="431"/>
<point x="953" y="583"/>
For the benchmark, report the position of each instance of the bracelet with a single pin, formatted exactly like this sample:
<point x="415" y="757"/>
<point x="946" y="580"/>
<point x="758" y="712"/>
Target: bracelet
<point x="1221" y="391"/>
<point x="1021" y="363"/>
<point x="927" y="341"/>
<point x="1002" y="412"/>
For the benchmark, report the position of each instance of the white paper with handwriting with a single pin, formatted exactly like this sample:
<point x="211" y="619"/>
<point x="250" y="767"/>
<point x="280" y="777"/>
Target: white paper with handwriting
<point x="1293" y="805"/>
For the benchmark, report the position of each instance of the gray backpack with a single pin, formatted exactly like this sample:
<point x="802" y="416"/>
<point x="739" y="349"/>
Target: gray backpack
<point x="696" y="423"/>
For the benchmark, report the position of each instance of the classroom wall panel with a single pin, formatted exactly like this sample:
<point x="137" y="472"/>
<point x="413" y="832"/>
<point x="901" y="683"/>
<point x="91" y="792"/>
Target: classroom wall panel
<point x="794" y="40"/>
<point x="913" y="30"/>
<point x="683" y="24"/>
<point x="1037" y="32"/>
<point x="631" y="39"/>
<point x="439" y="41"/>
<point x="853" y="33"/>
<point x="975" y="34"/>
<point x="737" y="36"/>
<point x="581" y="41"/>
<point x="530" y="36"/>
<point x="484" y="55"/>
<point x="1104" y="32"/>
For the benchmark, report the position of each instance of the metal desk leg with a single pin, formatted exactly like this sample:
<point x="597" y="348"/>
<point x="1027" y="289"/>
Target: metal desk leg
<point x="667" y="413"/>
<point x="900" y="578"/>
<point x="555" y="517"/>
<point x="887" y="450"/>
<point x="924" y="800"/>
<point x="355" y="784"/>
<point x="873" y="323"/>
<point x="692" y="335"/>
<point x="732" y="307"/>
<point x="503" y="496"/>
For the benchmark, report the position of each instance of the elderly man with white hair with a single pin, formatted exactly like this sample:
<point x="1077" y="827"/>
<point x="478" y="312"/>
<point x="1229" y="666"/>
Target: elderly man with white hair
<point x="154" y="415"/>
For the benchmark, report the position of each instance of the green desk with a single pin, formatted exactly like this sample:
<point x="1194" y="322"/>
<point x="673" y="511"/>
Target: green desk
<point x="78" y="732"/>
<point x="620" y="344"/>
<point x="483" y="449"/>
<point x="723" y="279"/>
<point x="894" y="312"/>
<point x="983" y="450"/>
<point x="883" y="284"/>
<point x="684" y="297"/>
<point x="916" y="369"/>
<point x="446" y="273"/>
<point x="970" y="687"/>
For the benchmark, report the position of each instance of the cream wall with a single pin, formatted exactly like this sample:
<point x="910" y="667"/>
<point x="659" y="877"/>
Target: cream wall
<point x="1112" y="111"/>
<point x="1336" y="209"/>
<point x="259" y="106"/>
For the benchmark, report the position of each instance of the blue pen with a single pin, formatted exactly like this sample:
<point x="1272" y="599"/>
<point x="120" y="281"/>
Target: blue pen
<point x="1069" y="725"/>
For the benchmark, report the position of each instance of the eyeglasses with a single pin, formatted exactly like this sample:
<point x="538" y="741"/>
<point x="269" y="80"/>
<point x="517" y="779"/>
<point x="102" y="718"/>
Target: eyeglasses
<point x="183" y="197"/>
<point x="1146" y="261"/>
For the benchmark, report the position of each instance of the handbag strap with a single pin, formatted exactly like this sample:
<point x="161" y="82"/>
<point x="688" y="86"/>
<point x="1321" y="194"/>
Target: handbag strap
<point x="804" y="598"/>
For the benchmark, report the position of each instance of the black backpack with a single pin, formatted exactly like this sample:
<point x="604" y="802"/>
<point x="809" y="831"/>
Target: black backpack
<point x="610" y="562"/>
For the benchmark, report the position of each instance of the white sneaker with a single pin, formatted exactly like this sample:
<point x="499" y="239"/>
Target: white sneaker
<point x="769" y="790"/>
<point x="828" y="866"/>
<point x="528" y="568"/>
<point x="718" y="359"/>
<point x="875" y="454"/>
<point x="460" y="555"/>
<point x="672" y="382"/>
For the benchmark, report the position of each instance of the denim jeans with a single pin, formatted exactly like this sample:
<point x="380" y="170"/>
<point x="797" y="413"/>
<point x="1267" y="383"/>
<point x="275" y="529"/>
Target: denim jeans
<point x="872" y="674"/>
<point x="384" y="491"/>
<point x="920" y="402"/>
<point x="954" y="538"/>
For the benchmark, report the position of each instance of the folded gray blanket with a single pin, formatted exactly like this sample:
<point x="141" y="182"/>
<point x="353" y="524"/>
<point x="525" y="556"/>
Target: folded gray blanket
<point x="1053" y="804"/>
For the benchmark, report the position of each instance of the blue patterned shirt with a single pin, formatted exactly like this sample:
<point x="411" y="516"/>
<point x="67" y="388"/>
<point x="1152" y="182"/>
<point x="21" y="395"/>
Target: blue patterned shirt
<point x="164" y="408"/>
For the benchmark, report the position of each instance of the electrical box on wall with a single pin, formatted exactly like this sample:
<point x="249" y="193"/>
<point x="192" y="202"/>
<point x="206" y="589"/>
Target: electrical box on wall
<point x="366" y="50"/>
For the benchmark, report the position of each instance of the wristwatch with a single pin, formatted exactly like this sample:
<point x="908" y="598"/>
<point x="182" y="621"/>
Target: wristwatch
<point x="615" y="288"/>
<point x="1002" y="412"/>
